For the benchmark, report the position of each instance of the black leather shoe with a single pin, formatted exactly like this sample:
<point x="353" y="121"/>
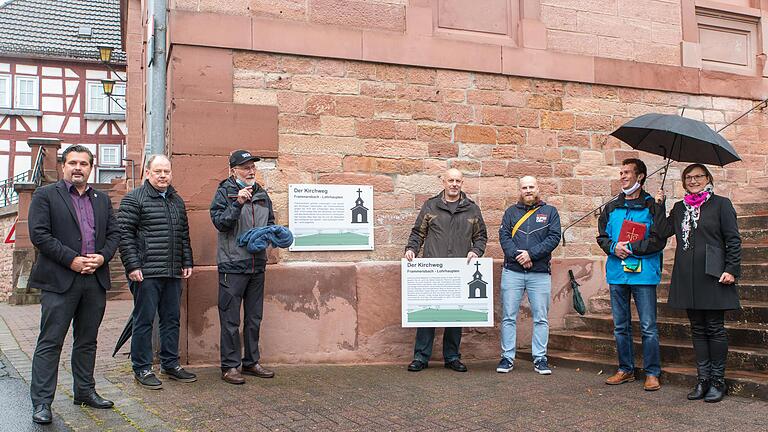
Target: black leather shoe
<point x="147" y="379"/>
<point x="717" y="390"/>
<point x="41" y="414"/>
<point x="701" y="389"/>
<point x="456" y="365"/>
<point x="179" y="374"/>
<point x="417" y="365"/>
<point x="93" y="400"/>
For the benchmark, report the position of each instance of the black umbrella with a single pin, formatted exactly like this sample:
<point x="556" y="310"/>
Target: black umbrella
<point x="124" y="336"/>
<point x="677" y="138"/>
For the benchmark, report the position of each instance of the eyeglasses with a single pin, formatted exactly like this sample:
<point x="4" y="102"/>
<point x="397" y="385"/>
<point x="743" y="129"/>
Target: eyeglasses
<point x="246" y="168"/>
<point x="699" y="177"/>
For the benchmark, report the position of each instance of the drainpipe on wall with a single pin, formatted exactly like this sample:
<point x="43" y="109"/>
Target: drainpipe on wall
<point x="156" y="76"/>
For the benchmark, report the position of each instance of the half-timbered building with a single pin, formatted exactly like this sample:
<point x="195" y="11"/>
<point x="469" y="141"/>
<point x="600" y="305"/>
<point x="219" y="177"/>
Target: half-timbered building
<point x="50" y="82"/>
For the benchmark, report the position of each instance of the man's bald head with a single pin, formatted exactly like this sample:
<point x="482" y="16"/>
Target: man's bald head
<point x="452" y="181"/>
<point x="529" y="190"/>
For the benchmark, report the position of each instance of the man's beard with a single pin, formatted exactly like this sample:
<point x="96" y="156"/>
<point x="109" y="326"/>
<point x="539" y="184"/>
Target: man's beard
<point x="529" y="200"/>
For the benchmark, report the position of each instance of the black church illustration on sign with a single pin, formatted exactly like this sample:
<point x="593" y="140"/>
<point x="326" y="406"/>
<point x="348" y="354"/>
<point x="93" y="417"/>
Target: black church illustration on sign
<point x="359" y="211"/>
<point x="478" y="285"/>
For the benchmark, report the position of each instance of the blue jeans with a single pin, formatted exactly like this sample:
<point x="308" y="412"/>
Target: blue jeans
<point x="152" y="296"/>
<point x="645" y="300"/>
<point x="539" y="288"/>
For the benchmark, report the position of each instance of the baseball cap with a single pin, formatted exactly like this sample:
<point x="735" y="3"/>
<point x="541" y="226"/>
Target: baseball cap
<point x="239" y="157"/>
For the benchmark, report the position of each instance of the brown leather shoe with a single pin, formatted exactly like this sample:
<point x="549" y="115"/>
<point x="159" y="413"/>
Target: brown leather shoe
<point x="651" y="383"/>
<point x="232" y="376"/>
<point x="258" y="370"/>
<point x="620" y="377"/>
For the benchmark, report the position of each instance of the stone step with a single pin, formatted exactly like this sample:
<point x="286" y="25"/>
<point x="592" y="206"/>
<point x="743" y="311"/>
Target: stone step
<point x="748" y="290"/>
<point x="749" y="270"/>
<point x="751" y="208"/>
<point x="748" y="223"/>
<point x="751" y="311"/>
<point x="739" y="333"/>
<point x="672" y="350"/>
<point x="119" y="295"/>
<point x="754" y="253"/>
<point x="741" y="383"/>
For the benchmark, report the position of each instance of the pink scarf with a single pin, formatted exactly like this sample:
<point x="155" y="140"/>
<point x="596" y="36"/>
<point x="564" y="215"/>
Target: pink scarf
<point x="693" y="202"/>
<point x="697" y="199"/>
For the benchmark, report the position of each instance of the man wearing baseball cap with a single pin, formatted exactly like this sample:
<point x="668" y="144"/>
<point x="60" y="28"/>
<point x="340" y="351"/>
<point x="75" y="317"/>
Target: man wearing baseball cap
<point x="239" y="205"/>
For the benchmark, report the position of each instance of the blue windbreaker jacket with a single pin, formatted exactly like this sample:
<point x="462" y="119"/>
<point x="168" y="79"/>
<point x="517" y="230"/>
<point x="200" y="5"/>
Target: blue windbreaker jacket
<point x="648" y="250"/>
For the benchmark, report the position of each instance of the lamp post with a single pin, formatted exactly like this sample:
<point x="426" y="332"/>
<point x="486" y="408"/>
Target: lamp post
<point x="108" y="86"/>
<point x="105" y="55"/>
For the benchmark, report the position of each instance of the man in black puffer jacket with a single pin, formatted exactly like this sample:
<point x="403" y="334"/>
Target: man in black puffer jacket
<point x="156" y="253"/>
<point x="239" y="205"/>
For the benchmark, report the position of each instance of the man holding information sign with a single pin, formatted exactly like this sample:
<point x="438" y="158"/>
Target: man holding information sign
<point x="628" y="228"/>
<point x="529" y="232"/>
<point x="449" y="225"/>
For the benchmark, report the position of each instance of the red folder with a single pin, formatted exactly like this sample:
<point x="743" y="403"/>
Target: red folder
<point x="631" y="231"/>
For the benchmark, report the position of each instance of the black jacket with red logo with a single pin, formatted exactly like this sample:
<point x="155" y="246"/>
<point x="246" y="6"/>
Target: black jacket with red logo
<point x="539" y="235"/>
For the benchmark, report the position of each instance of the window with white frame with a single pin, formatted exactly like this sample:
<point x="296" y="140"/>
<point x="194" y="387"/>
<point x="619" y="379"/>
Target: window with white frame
<point x="26" y="95"/>
<point x="5" y="91"/>
<point x="117" y="103"/>
<point x="109" y="155"/>
<point x="96" y="100"/>
<point x="99" y="103"/>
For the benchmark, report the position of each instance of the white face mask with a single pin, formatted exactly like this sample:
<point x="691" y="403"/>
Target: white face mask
<point x="631" y="190"/>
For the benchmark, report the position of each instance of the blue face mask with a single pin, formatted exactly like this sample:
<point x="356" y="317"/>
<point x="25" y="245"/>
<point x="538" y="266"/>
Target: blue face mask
<point x="240" y="183"/>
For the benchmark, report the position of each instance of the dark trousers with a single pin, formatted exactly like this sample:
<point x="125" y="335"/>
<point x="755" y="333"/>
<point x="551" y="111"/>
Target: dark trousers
<point x="152" y="296"/>
<point x="710" y="341"/>
<point x="82" y="305"/>
<point x="236" y="289"/>
<point x="425" y="337"/>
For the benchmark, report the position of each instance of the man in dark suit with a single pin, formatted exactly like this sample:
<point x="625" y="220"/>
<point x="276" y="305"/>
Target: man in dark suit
<point x="76" y="234"/>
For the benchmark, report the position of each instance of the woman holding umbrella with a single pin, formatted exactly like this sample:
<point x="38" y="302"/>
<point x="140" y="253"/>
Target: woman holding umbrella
<point x="707" y="263"/>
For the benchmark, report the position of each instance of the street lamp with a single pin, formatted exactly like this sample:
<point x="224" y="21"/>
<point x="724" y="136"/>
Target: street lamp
<point x="108" y="86"/>
<point x="105" y="55"/>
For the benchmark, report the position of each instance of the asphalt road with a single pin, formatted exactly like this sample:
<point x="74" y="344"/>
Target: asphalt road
<point x="16" y="412"/>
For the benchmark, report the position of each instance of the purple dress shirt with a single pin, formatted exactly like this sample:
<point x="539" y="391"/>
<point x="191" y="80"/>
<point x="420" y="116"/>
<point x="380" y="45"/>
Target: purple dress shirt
<point x="84" y="211"/>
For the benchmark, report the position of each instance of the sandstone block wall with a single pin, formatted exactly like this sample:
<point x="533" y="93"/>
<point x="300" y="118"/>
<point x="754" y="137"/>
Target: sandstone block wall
<point x="397" y="128"/>
<point x="6" y="257"/>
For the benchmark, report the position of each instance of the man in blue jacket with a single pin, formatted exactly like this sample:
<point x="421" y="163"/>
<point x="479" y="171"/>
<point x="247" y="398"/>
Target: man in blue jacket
<point x="240" y="204"/>
<point x="529" y="232"/>
<point x="633" y="269"/>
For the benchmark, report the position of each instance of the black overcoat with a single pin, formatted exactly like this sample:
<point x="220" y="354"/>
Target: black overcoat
<point x="691" y="287"/>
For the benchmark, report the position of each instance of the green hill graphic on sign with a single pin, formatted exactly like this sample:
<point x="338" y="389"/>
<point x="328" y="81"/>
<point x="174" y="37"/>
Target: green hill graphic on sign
<point x="343" y="239"/>
<point x="452" y="315"/>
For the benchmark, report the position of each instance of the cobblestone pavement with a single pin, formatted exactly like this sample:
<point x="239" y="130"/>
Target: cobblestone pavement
<point x="387" y="397"/>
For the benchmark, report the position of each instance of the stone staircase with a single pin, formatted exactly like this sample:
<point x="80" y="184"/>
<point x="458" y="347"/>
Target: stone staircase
<point x="587" y="341"/>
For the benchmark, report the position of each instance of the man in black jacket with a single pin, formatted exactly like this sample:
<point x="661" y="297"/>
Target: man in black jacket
<point x="449" y="225"/>
<point x="156" y="253"/>
<point x="239" y="205"/>
<point x="75" y="233"/>
<point x="530" y="231"/>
